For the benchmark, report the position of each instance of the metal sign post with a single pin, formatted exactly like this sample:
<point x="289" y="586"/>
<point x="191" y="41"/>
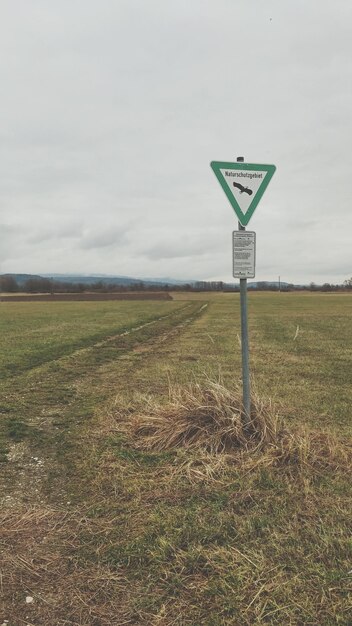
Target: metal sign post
<point x="244" y="185"/>
<point x="245" y="341"/>
<point x="245" y="348"/>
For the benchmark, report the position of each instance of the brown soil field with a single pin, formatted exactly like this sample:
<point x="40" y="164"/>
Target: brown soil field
<point x="63" y="297"/>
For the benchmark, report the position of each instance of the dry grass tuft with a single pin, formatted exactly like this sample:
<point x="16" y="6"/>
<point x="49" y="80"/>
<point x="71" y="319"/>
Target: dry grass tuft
<point x="312" y="449"/>
<point x="204" y="420"/>
<point x="207" y="417"/>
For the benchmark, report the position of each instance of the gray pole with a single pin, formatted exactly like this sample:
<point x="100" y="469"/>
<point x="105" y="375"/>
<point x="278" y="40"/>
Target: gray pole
<point x="245" y="342"/>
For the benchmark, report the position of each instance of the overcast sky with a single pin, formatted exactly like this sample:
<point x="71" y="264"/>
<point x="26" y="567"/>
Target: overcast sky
<point x="111" y="111"/>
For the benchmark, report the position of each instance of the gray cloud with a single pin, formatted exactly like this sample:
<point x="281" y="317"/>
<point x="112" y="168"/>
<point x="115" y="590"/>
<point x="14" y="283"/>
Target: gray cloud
<point x="103" y="238"/>
<point x="193" y="243"/>
<point x="56" y="231"/>
<point x="111" y="113"/>
<point x="8" y="234"/>
<point x="172" y="251"/>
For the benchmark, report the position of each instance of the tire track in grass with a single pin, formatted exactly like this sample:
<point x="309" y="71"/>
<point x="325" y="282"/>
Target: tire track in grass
<point x="51" y="401"/>
<point x="44" y="354"/>
<point x="122" y="343"/>
<point x="135" y="329"/>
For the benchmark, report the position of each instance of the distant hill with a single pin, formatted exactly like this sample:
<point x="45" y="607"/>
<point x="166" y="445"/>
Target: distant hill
<point x="101" y="278"/>
<point x="268" y="284"/>
<point x="128" y="281"/>
<point x="22" y="278"/>
<point x="169" y="281"/>
<point x="111" y="280"/>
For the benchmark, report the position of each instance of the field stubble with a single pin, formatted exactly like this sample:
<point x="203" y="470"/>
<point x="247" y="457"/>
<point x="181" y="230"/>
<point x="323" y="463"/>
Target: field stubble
<point x="128" y="523"/>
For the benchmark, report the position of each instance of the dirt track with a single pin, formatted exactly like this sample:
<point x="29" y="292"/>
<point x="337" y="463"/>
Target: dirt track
<point x="63" y="297"/>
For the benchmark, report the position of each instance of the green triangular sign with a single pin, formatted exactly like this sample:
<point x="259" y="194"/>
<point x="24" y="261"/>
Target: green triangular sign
<point x="244" y="185"/>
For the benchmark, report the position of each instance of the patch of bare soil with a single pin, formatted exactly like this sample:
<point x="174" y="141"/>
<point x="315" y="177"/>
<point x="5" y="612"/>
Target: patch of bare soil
<point x="85" y="297"/>
<point x="24" y="472"/>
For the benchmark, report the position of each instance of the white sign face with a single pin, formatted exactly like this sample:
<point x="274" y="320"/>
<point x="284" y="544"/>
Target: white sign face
<point x="243" y="185"/>
<point x="243" y="254"/>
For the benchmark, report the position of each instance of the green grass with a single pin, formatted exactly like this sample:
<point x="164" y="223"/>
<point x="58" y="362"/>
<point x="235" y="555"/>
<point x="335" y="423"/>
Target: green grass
<point x="143" y="540"/>
<point x="35" y="333"/>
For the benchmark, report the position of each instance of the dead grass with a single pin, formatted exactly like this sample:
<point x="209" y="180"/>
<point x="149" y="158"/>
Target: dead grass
<point x="41" y="558"/>
<point x="251" y="529"/>
<point x="203" y="421"/>
<point x="312" y="449"/>
<point x="204" y="416"/>
<point x="232" y="526"/>
<point x="153" y="546"/>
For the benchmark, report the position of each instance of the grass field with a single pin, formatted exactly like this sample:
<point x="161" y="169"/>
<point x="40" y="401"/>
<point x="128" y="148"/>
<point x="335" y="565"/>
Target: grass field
<point x="100" y="527"/>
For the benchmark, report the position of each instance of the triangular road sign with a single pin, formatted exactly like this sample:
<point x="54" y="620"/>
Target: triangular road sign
<point x="244" y="185"/>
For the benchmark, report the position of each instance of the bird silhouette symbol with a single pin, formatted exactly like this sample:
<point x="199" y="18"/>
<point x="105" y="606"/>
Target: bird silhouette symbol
<point x="243" y="189"/>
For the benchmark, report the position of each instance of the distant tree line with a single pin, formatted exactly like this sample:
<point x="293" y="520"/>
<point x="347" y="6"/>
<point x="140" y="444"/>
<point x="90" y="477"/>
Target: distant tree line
<point x="347" y="285"/>
<point x="46" y="285"/>
<point x="8" y="283"/>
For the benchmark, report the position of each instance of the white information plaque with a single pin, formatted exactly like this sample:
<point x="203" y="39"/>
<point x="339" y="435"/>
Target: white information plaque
<point x="243" y="254"/>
